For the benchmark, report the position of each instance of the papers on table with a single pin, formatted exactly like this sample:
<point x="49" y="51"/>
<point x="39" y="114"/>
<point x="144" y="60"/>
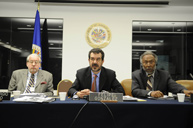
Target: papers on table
<point x="165" y="97"/>
<point x="130" y="98"/>
<point x="34" y="97"/>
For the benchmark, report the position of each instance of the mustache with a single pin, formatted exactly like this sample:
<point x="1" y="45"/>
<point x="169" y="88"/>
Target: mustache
<point x="33" y="69"/>
<point x="95" y="65"/>
<point x="149" y="68"/>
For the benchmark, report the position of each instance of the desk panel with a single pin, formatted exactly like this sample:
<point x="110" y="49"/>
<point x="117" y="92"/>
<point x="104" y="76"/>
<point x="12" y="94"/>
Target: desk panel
<point x="162" y="114"/>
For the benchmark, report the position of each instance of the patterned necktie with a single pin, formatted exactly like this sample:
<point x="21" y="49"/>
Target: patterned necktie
<point x="30" y="84"/>
<point x="149" y="84"/>
<point x="93" y="88"/>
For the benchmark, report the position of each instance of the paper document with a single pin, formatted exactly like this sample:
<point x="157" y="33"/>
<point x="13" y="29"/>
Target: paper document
<point x="130" y="98"/>
<point x="165" y="97"/>
<point x="34" y="97"/>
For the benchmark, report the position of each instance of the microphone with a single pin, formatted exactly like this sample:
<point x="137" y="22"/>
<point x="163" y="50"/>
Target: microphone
<point x="191" y="75"/>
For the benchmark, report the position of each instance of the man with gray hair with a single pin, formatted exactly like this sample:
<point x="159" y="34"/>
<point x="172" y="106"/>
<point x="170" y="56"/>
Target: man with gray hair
<point x="149" y="81"/>
<point x="32" y="80"/>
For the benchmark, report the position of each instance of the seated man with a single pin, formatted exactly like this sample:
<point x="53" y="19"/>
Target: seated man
<point x="95" y="78"/>
<point x="32" y="79"/>
<point x="149" y="81"/>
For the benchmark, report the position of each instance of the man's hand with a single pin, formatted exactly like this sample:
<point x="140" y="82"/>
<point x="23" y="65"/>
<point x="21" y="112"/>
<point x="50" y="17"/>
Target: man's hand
<point x="82" y="93"/>
<point x="188" y="92"/>
<point x="157" y="94"/>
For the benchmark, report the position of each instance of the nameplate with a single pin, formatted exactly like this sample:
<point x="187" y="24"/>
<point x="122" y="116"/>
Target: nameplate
<point x="100" y="96"/>
<point x="5" y="95"/>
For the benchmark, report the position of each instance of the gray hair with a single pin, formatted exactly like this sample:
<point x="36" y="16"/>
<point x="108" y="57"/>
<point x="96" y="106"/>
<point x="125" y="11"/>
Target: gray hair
<point x="149" y="53"/>
<point x="33" y="55"/>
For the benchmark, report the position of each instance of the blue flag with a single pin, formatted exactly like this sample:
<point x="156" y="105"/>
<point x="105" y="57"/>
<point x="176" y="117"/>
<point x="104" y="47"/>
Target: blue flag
<point x="36" y="45"/>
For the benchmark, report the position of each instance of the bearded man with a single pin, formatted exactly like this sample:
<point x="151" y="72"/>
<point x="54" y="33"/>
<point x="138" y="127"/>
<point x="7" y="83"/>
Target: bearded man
<point x="95" y="77"/>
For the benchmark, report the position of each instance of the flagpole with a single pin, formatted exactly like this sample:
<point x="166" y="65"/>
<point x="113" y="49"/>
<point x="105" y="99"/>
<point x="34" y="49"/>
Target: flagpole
<point x="38" y="6"/>
<point x="36" y="45"/>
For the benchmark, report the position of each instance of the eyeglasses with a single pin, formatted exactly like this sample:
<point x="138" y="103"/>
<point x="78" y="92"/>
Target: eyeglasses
<point x="36" y="62"/>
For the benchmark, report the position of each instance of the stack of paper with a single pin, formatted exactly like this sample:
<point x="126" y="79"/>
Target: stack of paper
<point x="34" y="97"/>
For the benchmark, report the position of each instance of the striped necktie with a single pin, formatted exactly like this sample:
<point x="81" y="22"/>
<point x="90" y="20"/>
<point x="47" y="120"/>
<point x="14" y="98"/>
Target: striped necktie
<point x="149" y="84"/>
<point x="93" y="88"/>
<point x="30" y="84"/>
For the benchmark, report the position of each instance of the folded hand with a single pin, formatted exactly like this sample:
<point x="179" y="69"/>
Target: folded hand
<point x="157" y="94"/>
<point x="83" y="93"/>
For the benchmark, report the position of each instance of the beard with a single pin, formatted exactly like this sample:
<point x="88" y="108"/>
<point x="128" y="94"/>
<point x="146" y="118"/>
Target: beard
<point x="149" y="70"/>
<point x="95" y="68"/>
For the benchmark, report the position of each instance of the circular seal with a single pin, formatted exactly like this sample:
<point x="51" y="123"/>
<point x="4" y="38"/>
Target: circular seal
<point x="98" y="35"/>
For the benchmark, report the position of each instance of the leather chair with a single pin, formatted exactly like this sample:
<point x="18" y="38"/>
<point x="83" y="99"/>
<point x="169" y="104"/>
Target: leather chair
<point x="126" y="84"/>
<point x="186" y="83"/>
<point x="64" y="85"/>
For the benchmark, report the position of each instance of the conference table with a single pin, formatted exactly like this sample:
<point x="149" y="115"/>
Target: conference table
<point x="84" y="114"/>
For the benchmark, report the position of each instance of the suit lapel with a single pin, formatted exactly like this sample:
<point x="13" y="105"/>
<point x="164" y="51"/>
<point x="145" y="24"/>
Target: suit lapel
<point x="102" y="79"/>
<point x="39" y="78"/>
<point x="24" y="76"/>
<point x="144" y="78"/>
<point x="88" y="79"/>
<point x="156" y="80"/>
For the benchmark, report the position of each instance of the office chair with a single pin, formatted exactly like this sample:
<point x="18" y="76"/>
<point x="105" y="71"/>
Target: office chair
<point x="64" y="85"/>
<point x="186" y="83"/>
<point x="126" y="84"/>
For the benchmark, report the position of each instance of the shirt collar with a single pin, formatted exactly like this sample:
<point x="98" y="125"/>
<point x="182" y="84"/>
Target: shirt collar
<point x="151" y="74"/>
<point x="29" y="74"/>
<point x="98" y="74"/>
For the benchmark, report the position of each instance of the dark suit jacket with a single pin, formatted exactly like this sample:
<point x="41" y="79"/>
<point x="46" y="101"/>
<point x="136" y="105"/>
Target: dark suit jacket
<point x="162" y="82"/>
<point x="107" y="81"/>
<point x="44" y="82"/>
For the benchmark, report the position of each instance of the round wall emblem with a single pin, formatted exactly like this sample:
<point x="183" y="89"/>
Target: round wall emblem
<point x="98" y="35"/>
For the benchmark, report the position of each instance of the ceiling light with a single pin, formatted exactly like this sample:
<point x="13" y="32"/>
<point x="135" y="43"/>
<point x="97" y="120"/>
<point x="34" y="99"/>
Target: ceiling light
<point x="142" y="50"/>
<point x="159" y="41"/>
<point x="179" y="30"/>
<point x="28" y="25"/>
<point x="55" y="48"/>
<point x="10" y="47"/>
<point x="147" y="44"/>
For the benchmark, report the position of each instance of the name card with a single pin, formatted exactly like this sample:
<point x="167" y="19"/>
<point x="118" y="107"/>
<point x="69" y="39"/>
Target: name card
<point x="101" y="96"/>
<point x="5" y="95"/>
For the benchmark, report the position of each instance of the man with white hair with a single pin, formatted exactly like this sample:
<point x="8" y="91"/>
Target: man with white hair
<point x="32" y="80"/>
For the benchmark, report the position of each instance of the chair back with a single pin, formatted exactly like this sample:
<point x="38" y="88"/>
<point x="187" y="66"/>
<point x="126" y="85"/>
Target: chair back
<point x="64" y="85"/>
<point x="186" y="83"/>
<point x="126" y="84"/>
